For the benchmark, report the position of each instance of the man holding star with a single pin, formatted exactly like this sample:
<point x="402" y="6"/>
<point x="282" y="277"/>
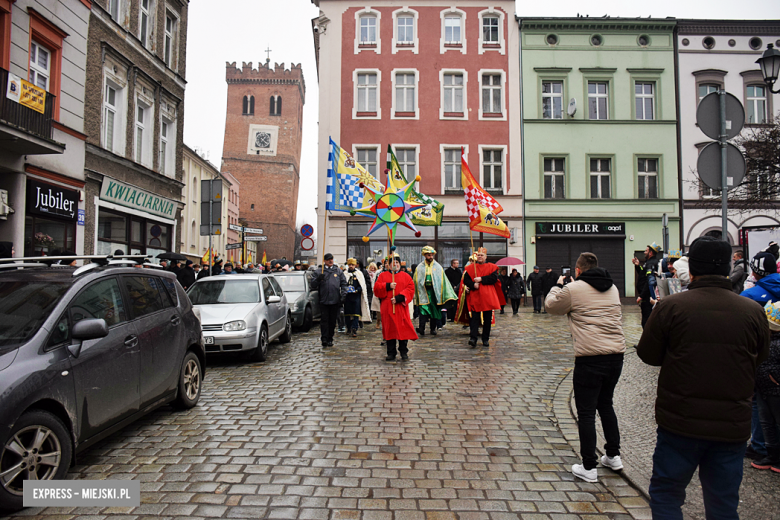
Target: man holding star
<point x="432" y="290"/>
<point x="395" y="290"/>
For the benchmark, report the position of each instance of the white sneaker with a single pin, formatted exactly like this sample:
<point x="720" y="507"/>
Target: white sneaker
<point x="613" y="463"/>
<point x="588" y="475"/>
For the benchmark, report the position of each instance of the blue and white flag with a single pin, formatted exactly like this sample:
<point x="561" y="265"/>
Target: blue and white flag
<point x="344" y="177"/>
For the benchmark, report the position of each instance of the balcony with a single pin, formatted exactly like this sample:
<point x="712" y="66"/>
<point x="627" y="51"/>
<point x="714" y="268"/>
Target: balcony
<point x="24" y="131"/>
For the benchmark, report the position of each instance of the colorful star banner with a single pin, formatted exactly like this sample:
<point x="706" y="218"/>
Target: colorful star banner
<point x="428" y="216"/>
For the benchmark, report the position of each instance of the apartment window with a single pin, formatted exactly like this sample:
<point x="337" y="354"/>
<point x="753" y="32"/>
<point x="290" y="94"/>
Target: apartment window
<point x="491" y="94"/>
<point x="114" y="8"/>
<point x="707" y="88"/>
<point x="367" y="30"/>
<point x="367" y="157"/>
<point x="763" y="185"/>
<point x="492" y="169"/>
<point x="552" y="99"/>
<point x="490" y="30"/>
<point x="406" y="30"/>
<point x="600" y="170"/>
<point x="452" y="30"/>
<point x="597" y="100"/>
<point x="645" y="100"/>
<point x="170" y="28"/>
<point x="144" y="22"/>
<point x="367" y="92"/>
<point x="407" y="160"/>
<point x="40" y="65"/>
<point x="163" y="146"/>
<point x="756" y="104"/>
<point x="647" y="170"/>
<point x="453" y="93"/>
<point x="404" y="93"/>
<point x="140" y="128"/>
<point x="110" y="103"/>
<point x="452" y="162"/>
<point x="554" y="176"/>
<point x="276" y="105"/>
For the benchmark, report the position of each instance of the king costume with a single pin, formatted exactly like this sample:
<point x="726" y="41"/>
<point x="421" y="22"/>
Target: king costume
<point x="477" y="303"/>
<point x="432" y="290"/>
<point x="397" y="327"/>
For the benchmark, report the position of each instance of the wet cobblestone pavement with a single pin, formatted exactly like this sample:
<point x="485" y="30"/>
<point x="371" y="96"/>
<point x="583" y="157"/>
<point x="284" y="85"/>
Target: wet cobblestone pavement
<point x="340" y="434"/>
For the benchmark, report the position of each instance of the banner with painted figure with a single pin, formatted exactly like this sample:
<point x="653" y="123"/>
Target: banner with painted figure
<point x="483" y="209"/>
<point x="421" y="217"/>
<point x="344" y="177"/>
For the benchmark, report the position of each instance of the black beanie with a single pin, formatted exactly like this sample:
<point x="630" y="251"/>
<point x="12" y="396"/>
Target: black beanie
<point x="709" y="255"/>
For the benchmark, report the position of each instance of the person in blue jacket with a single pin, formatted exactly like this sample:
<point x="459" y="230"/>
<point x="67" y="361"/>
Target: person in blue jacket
<point x="767" y="288"/>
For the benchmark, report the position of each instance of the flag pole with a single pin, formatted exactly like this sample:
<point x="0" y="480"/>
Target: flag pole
<point x="324" y="236"/>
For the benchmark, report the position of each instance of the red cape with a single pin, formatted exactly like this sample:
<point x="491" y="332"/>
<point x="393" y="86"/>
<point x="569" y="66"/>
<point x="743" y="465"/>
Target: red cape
<point x="487" y="297"/>
<point x="398" y="324"/>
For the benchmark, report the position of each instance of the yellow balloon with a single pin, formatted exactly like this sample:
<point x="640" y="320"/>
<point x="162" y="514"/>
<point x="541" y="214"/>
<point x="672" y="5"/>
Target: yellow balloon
<point x="365" y="239"/>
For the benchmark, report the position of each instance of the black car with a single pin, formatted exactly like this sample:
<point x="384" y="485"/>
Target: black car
<point x="83" y="353"/>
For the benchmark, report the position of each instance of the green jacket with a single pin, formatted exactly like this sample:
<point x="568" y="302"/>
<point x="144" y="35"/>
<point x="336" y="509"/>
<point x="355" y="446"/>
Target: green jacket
<point x="442" y="288"/>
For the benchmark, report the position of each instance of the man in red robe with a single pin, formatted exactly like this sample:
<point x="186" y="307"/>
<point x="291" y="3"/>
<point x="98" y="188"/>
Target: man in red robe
<point x="484" y="296"/>
<point x="395" y="290"/>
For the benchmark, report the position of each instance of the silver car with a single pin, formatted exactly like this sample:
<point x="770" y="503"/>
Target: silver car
<point x="304" y="301"/>
<point x="241" y="313"/>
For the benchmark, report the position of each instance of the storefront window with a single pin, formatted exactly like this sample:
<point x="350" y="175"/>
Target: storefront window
<point x="47" y="237"/>
<point x="133" y="235"/>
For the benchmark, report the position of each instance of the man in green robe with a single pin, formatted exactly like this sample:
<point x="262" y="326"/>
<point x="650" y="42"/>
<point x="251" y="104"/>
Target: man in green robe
<point x="432" y="290"/>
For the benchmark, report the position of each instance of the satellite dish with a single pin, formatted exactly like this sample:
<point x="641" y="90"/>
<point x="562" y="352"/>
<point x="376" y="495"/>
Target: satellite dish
<point x="572" y="107"/>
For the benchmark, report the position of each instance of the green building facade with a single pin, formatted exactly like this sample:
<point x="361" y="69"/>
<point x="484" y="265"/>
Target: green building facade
<point x="599" y="140"/>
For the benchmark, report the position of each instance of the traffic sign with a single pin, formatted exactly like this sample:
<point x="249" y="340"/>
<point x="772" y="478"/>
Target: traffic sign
<point x="307" y="244"/>
<point x="235" y="228"/>
<point x="308" y="253"/>
<point x="307" y="230"/>
<point x="708" y="166"/>
<point x="708" y="116"/>
<point x="233" y="246"/>
<point x="253" y="230"/>
<point x="256" y="239"/>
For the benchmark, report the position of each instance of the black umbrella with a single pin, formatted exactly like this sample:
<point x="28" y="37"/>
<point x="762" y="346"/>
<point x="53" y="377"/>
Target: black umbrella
<point x="171" y="256"/>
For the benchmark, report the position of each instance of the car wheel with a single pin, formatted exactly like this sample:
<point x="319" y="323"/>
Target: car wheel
<point x="307" y="320"/>
<point x="287" y="336"/>
<point x="190" y="380"/>
<point x="38" y="448"/>
<point x="260" y="353"/>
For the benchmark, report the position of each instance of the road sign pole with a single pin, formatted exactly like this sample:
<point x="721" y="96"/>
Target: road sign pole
<point x="211" y="202"/>
<point x="722" y="138"/>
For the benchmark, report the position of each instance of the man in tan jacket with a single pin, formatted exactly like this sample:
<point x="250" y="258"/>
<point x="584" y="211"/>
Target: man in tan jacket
<point x="592" y="304"/>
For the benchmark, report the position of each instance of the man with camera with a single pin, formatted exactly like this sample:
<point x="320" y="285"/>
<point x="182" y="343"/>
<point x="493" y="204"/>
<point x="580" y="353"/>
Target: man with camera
<point x="592" y="303"/>
<point x="331" y="285"/>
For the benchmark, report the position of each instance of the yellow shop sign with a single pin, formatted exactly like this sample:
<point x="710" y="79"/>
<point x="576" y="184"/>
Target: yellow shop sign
<point x="25" y="93"/>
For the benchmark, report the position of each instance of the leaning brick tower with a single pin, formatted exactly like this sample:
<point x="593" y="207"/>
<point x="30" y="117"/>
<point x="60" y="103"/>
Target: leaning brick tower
<point x="262" y="148"/>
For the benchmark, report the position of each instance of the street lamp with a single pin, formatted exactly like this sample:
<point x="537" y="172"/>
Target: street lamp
<point x="770" y="66"/>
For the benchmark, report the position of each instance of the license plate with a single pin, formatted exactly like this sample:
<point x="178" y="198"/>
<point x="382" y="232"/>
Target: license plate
<point x="209" y="340"/>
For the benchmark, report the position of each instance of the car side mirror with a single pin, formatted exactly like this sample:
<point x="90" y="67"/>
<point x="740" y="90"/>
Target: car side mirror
<point x="85" y="330"/>
<point x="274" y="299"/>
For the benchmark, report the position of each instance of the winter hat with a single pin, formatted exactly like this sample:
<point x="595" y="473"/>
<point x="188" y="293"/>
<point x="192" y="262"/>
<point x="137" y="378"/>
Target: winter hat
<point x="772" y="311"/>
<point x="763" y="264"/>
<point x="328" y="256"/>
<point x="189" y="262"/>
<point x="774" y="249"/>
<point x="709" y="255"/>
<point x="536" y="267"/>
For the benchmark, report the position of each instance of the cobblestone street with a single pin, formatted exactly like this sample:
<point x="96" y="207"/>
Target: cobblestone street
<point x="340" y="434"/>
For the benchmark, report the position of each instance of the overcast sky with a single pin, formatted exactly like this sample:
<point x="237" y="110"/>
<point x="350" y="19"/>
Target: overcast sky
<point x="241" y="30"/>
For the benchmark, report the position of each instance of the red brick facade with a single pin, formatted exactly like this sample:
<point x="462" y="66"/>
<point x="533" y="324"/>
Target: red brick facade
<point x="269" y="181"/>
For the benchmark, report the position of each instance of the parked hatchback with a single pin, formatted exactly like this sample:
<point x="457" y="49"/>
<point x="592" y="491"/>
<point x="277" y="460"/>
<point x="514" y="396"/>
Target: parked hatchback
<point x="241" y="313"/>
<point x="83" y="353"/>
<point x="304" y="301"/>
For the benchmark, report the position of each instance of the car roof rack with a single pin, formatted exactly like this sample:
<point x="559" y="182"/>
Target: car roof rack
<point x="95" y="262"/>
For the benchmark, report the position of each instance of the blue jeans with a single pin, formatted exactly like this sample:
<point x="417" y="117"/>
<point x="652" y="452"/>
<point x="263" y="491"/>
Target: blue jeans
<point x="720" y="472"/>
<point x="756" y="432"/>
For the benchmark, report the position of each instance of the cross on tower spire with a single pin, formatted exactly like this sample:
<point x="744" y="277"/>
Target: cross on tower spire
<point x="268" y="54"/>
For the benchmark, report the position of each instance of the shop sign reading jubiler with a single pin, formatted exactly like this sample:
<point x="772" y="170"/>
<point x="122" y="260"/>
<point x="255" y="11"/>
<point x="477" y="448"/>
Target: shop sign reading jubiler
<point x="136" y="198"/>
<point x="50" y="200"/>
<point x="25" y="93"/>
<point x="580" y="228"/>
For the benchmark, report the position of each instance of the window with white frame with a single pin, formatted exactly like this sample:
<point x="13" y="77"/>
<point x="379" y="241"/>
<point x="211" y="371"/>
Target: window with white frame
<point x="597" y="99"/>
<point x="145" y="22"/>
<point x="600" y="171"/>
<point x="647" y="178"/>
<point x="40" y="65"/>
<point x="644" y="98"/>
<point x="140" y="132"/>
<point x="405" y="30"/>
<point x="452" y="30"/>
<point x="367" y="30"/>
<point x="490" y="34"/>
<point x="453" y="93"/>
<point x="164" y="147"/>
<point x="491" y="94"/>
<point x="707" y="88"/>
<point x="405" y="92"/>
<point x="367" y="92"/>
<point x="492" y="169"/>
<point x="115" y="9"/>
<point x="552" y="99"/>
<point x="170" y="39"/>
<point x="110" y="117"/>
<point x="452" y="163"/>
<point x="554" y="177"/>
<point x="368" y="159"/>
<point x="756" y="104"/>
<point x="407" y="160"/>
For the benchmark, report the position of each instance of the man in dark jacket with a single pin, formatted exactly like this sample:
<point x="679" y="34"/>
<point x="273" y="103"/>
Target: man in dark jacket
<point x="217" y="267"/>
<point x="739" y="272"/>
<point x="186" y="276"/>
<point x="503" y="277"/>
<point x="708" y="342"/>
<point x="454" y="275"/>
<point x="534" y="282"/>
<point x="331" y="285"/>
<point x="549" y="279"/>
<point x="645" y="285"/>
<point x="204" y="272"/>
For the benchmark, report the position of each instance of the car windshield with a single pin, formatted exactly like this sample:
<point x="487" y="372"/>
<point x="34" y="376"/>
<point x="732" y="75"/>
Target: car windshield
<point x="24" y="306"/>
<point x="224" y="291"/>
<point x="291" y="283"/>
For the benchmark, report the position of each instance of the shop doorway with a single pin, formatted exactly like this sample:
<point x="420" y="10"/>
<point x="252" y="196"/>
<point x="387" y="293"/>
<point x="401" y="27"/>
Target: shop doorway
<point x="558" y="252"/>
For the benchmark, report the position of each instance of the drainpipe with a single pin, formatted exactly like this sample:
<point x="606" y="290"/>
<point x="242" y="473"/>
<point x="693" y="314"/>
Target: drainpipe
<point x="679" y="135"/>
<point x="522" y="139"/>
